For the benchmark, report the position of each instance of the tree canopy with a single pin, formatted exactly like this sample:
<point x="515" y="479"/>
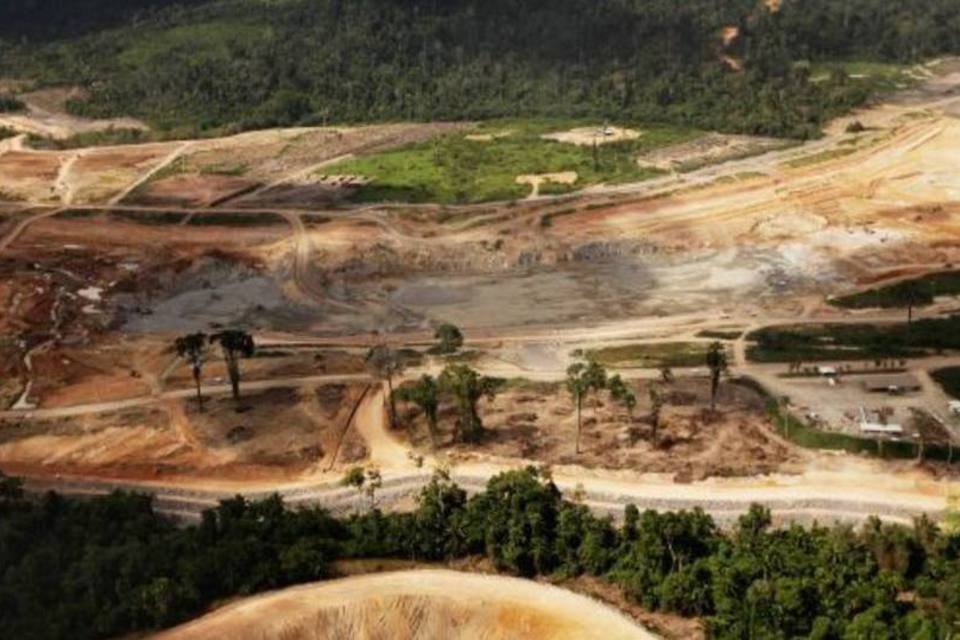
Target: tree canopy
<point x="202" y="65"/>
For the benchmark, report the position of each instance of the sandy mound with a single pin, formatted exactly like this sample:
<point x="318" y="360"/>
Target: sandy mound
<point x="587" y="136"/>
<point x="427" y="605"/>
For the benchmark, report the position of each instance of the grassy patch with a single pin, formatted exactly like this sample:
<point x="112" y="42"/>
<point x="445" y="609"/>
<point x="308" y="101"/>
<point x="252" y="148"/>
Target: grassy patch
<point x="719" y="334"/>
<point x="453" y="169"/>
<point x="253" y="219"/>
<point x="811" y="343"/>
<point x="946" y="283"/>
<point x="651" y="356"/>
<point x="817" y="158"/>
<point x="91" y="139"/>
<point x="872" y="76"/>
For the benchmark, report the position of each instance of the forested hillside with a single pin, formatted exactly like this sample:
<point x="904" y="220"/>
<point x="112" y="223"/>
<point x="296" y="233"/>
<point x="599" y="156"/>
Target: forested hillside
<point x="110" y="565"/>
<point x="249" y="63"/>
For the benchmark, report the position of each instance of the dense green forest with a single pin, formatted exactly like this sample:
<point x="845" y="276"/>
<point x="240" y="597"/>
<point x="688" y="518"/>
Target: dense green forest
<point x="202" y="65"/>
<point x="106" y="566"/>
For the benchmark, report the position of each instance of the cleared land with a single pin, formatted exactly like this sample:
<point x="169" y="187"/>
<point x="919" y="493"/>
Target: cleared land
<point x="637" y="274"/>
<point x="417" y="605"/>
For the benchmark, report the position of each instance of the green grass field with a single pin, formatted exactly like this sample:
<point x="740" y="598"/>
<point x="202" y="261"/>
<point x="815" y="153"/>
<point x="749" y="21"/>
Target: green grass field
<point x="455" y="170"/>
<point x="651" y="356"/>
<point x="874" y="76"/>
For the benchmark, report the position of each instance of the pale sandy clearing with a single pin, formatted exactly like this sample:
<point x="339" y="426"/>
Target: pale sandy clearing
<point x="426" y="605"/>
<point x="535" y="180"/>
<point x="587" y="136"/>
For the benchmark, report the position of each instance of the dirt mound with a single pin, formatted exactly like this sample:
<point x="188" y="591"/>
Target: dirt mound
<point x="415" y="604"/>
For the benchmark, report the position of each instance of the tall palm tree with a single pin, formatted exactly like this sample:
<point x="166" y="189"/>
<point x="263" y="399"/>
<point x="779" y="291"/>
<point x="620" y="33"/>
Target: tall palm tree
<point x="425" y="393"/>
<point x="656" y="406"/>
<point x="192" y="348"/>
<point x="468" y="387"/>
<point x="385" y="363"/>
<point x="235" y="344"/>
<point x="582" y="379"/>
<point x="717" y="363"/>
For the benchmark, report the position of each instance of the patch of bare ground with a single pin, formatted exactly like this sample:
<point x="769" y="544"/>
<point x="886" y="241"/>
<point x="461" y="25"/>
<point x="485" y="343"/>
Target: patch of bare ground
<point x="538" y="422"/>
<point x="189" y="190"/>
<point x="270" y="363"/>
<point x="290" y="428"/>
<point x="46" y="115"/>
<point x="99" y="174"/>
<point x="423" y="604"/>
<point x="707" y="149"/>
<point x="276" y="434"/>
<point x="29" y="175"/>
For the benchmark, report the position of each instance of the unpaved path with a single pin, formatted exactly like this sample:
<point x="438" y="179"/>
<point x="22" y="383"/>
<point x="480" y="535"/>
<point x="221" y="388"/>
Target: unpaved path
<point x="419" y="605"/>
<point x="172" y="157"/>
<point x="208" y="390"/>
<point x="385" y="451"/>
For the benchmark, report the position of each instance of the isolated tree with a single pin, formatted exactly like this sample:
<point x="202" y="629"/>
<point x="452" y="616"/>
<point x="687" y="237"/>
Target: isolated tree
<point x="449" y="338"/>
<point x="581" y="380"/>
<point x="365" y="481"/>
<point x="425" y="393"/>
<point x="192" y="348"/>
<point x="717" y="363"/>
<point x="783" y="403"/>
<point x="235" y="344"/>
<point x="468" y="387"/>
<point x="656" y="406"/>
<point x="622" y="394"/>
<point x="666" y="375"/>
<point x="385" y="363"/>
<point x="910" y="295"/>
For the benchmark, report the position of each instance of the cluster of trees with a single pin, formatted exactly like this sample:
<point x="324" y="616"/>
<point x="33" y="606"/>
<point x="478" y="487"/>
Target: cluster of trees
<point x="110" y="565"/>
<point x="10" y="103"/>
<point x="234" y="344"/>
<point x="207" y="64"/>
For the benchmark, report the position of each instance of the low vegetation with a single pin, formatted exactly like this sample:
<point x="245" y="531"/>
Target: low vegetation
<point x="9" y="103"/>
<point x="105" y="137"/>
<point x="949" y="379"/>
<point x="946" y="283"/>
<point x="651" y="355"/>
<point x="810" y="343"/>
<point x="111" y="565"/>
<point x="463" y="169"/>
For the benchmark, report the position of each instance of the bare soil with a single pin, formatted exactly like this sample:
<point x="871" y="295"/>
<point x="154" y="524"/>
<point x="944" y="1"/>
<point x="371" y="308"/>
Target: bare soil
<point x="425" y="604"/>
<point x="277" y="433"/>
<point x="537" y="421"/>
